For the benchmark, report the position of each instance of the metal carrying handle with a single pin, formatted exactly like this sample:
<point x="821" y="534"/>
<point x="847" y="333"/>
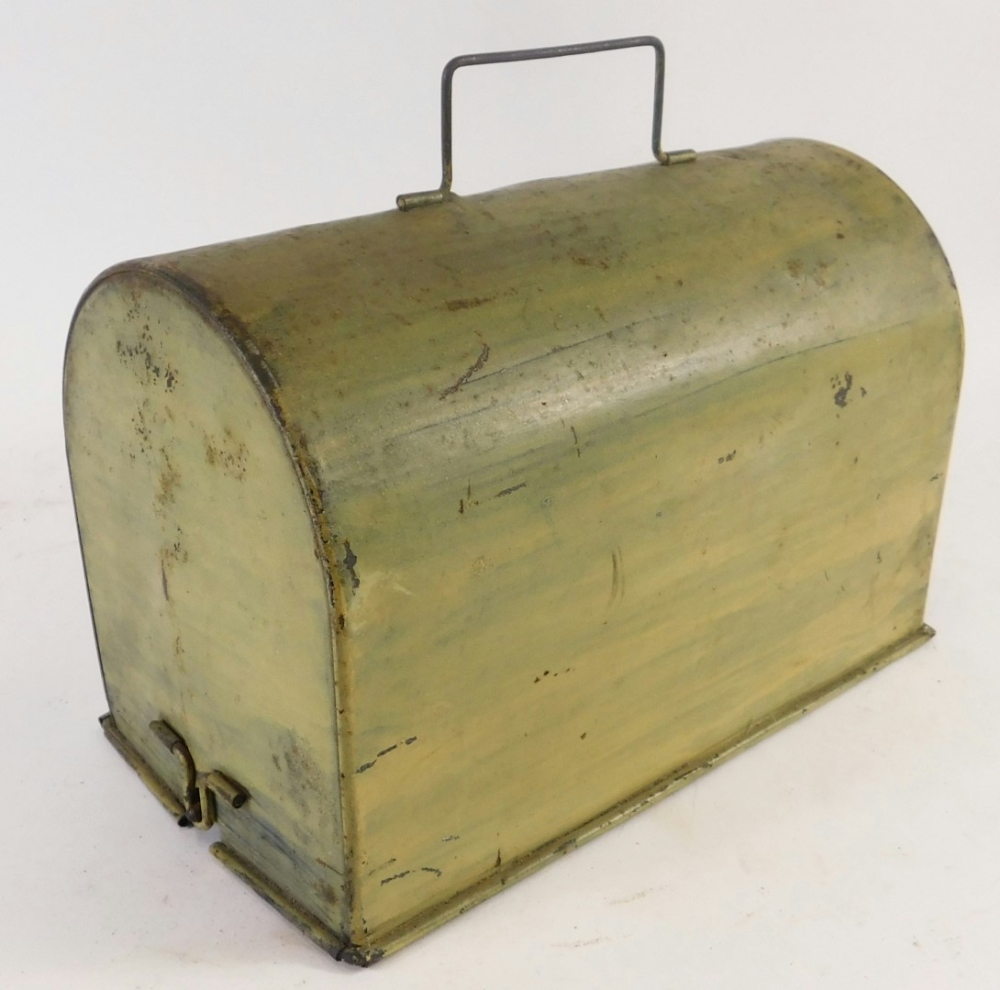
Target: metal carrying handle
<point x="409" y="201"/>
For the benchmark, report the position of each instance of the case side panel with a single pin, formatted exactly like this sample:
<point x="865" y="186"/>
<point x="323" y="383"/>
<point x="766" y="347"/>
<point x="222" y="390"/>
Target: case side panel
<point x="211" y="610"/>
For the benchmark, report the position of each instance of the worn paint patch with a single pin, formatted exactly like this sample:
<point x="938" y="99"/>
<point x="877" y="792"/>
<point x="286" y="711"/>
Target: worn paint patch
<point x="406" y="873"/>
<point x="408" y="741"/>
<point x="302" y="769"/>
<point x="350" y="562"/>
<point x="841" y="388"/>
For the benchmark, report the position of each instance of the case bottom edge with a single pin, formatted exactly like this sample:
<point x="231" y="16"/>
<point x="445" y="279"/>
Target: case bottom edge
<point x="420" y="924"/>
<point x="384" y="943"/>
<point x="311" y="926"/>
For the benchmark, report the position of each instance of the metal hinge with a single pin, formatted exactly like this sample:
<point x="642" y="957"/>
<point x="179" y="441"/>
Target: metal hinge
<point x="201" y="789"/>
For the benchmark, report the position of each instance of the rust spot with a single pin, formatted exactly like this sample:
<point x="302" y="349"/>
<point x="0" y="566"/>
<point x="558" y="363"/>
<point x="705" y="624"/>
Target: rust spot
<point x="579" y="259"/>
<point x="147" y="368"/>
<point x="265" y="344"/>
<point x="168" y="482"/>
<point x="227" y="453"/>
<point x="142" y="428"/>
<point x="617" y="576"/>
<point x="382" y="866"/>
<point x="484" y="356"/>
<point x="236" y="328"/>
<point x="511" y="490"/>
<point x="173" y="554"/>
<point x="453" y="305"/>
<point x="795" y="268"/>
<point x="326" y="892"/>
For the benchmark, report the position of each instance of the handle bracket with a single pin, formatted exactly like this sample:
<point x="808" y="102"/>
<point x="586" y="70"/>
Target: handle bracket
<point x="410" y="201"/>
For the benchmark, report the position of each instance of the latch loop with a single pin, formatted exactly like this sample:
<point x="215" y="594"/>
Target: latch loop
<point x="201" y="789"/>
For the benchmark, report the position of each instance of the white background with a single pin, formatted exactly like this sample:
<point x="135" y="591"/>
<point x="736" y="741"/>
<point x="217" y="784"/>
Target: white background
<point x="857" y="848"/>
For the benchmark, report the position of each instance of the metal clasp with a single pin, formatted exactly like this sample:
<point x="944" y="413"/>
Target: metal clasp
<point x="201" y="789"/>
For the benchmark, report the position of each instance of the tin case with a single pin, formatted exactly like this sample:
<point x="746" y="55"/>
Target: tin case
<point x="424" y="546"/>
